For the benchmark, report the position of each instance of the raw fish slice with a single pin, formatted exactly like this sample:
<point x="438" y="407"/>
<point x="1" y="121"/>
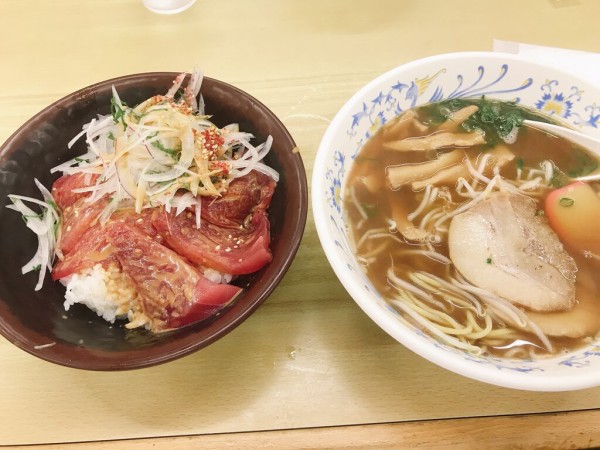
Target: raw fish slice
<point x="92" y="248"/>
<point x="77" y="220"/>
<point x="243" y="196"/>
<point x="235" y="251"/>
<point x="84" y="240"/>
<point x="62" y="189"/>
<point x="171" y="292"/>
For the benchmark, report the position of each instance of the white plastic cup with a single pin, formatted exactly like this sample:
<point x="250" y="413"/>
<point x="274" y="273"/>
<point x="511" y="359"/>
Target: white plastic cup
<point x="168" y="6"/>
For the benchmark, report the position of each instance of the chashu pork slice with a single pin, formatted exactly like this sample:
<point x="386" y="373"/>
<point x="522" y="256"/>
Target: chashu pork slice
<point x="502" y="246"/>
<point x="580" y="321"/>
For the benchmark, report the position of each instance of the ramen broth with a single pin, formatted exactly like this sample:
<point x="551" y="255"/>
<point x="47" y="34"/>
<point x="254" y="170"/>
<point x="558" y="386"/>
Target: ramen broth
<point x="399" y="226"/>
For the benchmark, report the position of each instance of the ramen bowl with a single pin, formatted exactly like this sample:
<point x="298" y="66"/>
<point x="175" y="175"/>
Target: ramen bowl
<point x="36" y="321"/>
<point x="461" y="75"/>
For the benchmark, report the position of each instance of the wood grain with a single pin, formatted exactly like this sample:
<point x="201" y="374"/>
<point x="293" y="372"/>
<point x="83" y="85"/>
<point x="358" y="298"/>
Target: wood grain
<point x="545" y="431"/>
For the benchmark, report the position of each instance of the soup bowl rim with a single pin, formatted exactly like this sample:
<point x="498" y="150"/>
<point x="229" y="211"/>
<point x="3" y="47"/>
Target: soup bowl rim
<point x="454" y="361"/>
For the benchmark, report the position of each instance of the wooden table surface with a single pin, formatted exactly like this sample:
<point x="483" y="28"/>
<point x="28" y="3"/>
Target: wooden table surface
<point x="308" y="369"/>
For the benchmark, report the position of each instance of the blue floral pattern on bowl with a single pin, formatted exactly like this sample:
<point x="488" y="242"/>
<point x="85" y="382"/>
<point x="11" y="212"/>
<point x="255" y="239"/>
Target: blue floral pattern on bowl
<point x="472" y="75"/>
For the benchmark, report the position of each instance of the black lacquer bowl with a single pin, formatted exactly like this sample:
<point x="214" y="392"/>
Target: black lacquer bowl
<point x="37" y="322"/>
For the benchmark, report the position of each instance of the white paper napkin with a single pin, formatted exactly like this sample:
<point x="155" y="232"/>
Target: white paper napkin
<point x="583" y="64"/>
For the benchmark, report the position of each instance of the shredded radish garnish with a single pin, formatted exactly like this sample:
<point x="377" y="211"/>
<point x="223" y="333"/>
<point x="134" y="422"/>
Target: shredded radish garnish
<point x="44" y="225"/>
<point x="163" y="152"/>
<point x="146" y="154"/>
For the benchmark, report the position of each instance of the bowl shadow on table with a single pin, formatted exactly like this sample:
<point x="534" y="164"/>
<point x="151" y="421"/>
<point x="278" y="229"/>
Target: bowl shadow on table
<point x="216" y="388"/>
<point x="220" y="384"/>
<point x="409" y="387"/>
<point x="391" y="382"/>
<point x="200" y="391"/>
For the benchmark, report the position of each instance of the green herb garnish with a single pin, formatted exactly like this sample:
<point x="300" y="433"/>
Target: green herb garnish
<point x="495" y="119"/>
<point x="117" y="112"/>
<point x="520" y="163"/>
<point x="567" y="202"/>
<point x="36" y="216"/>
<point x="136" y="116"/>
<point x="167" y="150"/>
<point x="159" y="145"/>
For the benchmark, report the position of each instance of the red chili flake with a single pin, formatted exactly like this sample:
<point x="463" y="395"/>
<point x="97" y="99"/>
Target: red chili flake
<point x="222" y="165"/>
<point x="212" y="139"/>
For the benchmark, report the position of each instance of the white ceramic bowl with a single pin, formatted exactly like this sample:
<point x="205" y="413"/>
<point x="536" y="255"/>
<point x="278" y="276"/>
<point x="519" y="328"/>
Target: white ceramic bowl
<point x="436" y="78"/>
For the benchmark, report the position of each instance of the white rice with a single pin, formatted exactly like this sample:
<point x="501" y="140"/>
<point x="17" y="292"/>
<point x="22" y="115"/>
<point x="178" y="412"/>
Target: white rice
<point x="217" y="277"/>
<point x="111" y="294"/>
<point x="103" y="291"/>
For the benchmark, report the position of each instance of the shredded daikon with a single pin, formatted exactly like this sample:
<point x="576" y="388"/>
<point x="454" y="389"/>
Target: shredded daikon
<point x="150" y="153"/>
<point x="163" y="152"/>
<point x="44" y="225"/>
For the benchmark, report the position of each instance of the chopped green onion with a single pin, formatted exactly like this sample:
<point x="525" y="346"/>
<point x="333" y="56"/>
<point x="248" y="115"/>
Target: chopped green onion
<point x="567" y="202"/>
